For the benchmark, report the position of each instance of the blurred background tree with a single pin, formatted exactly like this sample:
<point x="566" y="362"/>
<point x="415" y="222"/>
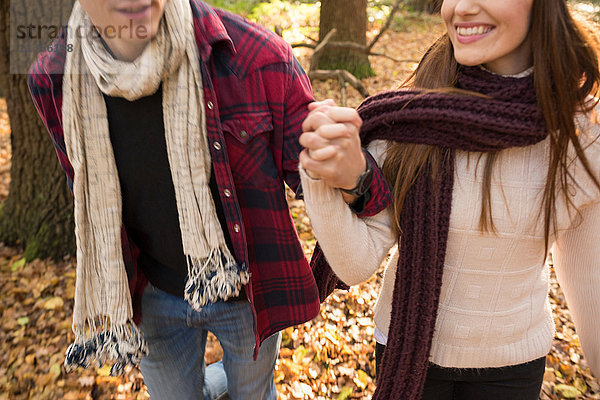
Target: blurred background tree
<point x="37" y="214"/>
<point x="430" y="6"/>
<point x="351" y="26"/>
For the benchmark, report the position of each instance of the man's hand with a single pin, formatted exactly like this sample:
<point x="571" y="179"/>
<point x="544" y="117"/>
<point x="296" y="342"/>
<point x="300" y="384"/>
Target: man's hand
<point x="332" y="145"/>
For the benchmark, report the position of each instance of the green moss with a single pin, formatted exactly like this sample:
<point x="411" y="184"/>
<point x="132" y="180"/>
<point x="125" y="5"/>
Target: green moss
<point x="46" y="243"/>
<point x="358" y="69"/>
<point x="32" y="250"/>
<point x="363" y="71"/>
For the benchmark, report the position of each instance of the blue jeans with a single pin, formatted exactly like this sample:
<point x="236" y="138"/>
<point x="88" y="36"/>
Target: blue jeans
<point x="176" y="336"/>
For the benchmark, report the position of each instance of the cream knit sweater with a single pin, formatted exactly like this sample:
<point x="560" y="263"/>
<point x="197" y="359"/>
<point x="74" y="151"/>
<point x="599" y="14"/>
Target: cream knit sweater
<point x="494" y="309"/>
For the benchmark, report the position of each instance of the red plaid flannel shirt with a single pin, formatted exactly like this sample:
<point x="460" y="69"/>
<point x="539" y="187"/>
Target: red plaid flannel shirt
<point x="256" y="97"/>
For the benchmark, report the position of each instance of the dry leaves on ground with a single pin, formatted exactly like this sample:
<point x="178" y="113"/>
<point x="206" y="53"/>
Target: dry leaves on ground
<point x="331" y="357"/>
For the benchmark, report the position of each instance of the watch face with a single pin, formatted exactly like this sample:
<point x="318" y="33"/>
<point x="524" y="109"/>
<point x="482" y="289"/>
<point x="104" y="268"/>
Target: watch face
<point x="365" y="181"/>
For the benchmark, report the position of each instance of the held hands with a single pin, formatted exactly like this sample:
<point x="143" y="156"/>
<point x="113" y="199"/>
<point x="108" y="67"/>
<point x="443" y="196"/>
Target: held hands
<point x="332" y="145"/>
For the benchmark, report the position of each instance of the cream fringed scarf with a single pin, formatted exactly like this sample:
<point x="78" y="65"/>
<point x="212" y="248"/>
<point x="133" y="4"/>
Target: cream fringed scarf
<point x="102" y="315"/>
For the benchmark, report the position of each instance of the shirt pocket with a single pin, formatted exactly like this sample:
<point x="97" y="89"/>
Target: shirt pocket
<point x="244" y="127"/>
<point x="248" y="137"/>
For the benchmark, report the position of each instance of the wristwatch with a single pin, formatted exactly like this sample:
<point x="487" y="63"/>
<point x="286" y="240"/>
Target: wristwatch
<point x="364" y="181"/>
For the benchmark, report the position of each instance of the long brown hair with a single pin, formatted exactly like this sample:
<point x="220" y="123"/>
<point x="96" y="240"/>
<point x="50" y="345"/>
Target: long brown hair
<point x="566" y="73"/>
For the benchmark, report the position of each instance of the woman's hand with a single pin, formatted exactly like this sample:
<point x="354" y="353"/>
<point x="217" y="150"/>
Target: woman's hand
<point x="332" y="145"/>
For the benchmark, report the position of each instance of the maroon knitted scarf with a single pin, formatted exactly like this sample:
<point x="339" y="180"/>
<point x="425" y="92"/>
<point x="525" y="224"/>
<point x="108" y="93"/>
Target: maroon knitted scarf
<point x="510" y="117"/>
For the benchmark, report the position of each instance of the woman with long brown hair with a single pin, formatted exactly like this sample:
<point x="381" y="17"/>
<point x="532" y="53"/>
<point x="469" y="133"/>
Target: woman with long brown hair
<point x="493" y="153"/>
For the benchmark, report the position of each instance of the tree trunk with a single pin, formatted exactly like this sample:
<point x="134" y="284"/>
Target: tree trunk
<point x="349" y="18"/>
<point x="38" y="213"/>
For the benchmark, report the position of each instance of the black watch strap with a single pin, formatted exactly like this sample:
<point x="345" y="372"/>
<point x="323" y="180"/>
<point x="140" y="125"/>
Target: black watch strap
<point x="364" y="180"/>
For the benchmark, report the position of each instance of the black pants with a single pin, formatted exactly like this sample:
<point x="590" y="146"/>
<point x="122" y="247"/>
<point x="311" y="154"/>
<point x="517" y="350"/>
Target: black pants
<point x="515" y="382"/>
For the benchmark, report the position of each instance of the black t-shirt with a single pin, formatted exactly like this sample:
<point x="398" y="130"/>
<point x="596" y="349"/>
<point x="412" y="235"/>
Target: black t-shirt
<point x="149" y="208"/>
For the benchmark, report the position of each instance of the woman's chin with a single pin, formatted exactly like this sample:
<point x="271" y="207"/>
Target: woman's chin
<point x="469" y="61"/>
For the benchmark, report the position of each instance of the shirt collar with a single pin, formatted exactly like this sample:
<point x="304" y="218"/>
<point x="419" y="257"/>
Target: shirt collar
<point x="521" y="74"/>
<point x="209" y="29"/>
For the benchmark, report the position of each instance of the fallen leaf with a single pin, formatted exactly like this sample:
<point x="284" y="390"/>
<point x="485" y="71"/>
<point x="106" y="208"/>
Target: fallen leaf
<point x="53" y="303"/>
<point x="55" y="370"/>
<point x="567" y="391"/>
<point x="345" y="393"/>
<point x="104" y="370"/>
<point x="567" y="369"/>
<point x="361" y="379"/>
<point x="17" y="265"/>
<point x="299" y="390"/>
<point x="580" y="385"/>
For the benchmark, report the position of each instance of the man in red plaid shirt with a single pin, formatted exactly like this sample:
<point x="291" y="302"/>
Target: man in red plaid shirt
<point x="181" y="123"/>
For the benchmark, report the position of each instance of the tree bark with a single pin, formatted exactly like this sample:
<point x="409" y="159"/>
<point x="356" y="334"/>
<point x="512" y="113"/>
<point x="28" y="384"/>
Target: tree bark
<point x="38" y="213"/>
<point x="349" y="18"/>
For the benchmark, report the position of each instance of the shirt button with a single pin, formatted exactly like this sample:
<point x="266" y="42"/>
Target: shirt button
<point x="210" y="105"/>
<point x="217" y="145"/>
<point x="227" y="192"/>
<point x="243" y="134"/>
<point x="236" y="228"/>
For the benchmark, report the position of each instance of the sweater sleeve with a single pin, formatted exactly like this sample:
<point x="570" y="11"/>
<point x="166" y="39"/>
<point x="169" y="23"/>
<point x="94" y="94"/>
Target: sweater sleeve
<point x="354" y="247"/>
<point x="576" y="255"/>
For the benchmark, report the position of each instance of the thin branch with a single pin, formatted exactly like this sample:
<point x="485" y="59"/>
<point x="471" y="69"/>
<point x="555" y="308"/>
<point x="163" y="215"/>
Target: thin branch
<point x="356" y="47"/>
<point x="388" y="23"/>
<point x="343" y="84"/>
<point x="326" y="42"/>
<point x="398" y="60"/>
<point x="308" y="45"/>
<point x="349" y="45"/>
<point x="311" y="39"/>
<point x="278" y="30"/>
<point x="342" y="75"/>
<point x="314" y="60"/>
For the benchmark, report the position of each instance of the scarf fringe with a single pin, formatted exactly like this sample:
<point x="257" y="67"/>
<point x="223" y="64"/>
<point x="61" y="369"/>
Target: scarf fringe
<point x="218" y="277"/>
<point x="121" y="344"/>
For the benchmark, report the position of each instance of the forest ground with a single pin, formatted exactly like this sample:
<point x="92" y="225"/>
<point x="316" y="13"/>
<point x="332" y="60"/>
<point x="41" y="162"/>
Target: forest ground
<point x="330" y="357"/>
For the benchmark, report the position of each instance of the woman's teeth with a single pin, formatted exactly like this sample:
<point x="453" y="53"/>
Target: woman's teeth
<point x="475" y="30"/>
